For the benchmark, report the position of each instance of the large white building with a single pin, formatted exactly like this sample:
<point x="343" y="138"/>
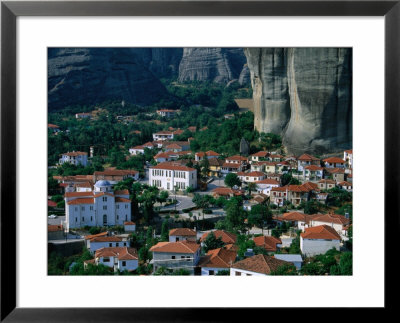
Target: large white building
<point x="167" y="175"/>
<point x="318" y="240"/>
<point x="100" y="207"/>
<point x="75" y="158"/>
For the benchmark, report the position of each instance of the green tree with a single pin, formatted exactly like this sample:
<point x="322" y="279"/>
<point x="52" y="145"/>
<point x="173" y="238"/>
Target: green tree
<point x="259" y="214"/>
<point x="164" y="231"/>
<point x="163" y="196"/>
<point x="285" y="270"/>
<point x="295" y="245"/>
<point x="244" y="242"/>
<point x="251" y="187"/>
<point x="211" y="242"/>
<point x="235" y="215"/>
<point x="231" y="180"/>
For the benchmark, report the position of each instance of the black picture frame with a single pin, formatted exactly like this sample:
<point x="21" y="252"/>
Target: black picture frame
<point x="10" y="10"/>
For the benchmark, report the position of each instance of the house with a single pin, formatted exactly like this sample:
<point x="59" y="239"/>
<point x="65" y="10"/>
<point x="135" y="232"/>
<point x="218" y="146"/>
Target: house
<point x="129" y="226"/>
<point x="264" y="186"/>
<point x="223" y="191"/>
<point x="251" y="177"/>
<point x="336" y="221"/>
<point x="166" y="145"/>
<point x="346" y="186"/>
<point x="115" y="175"/>
<point x="334" y="162"/>
<point x="55" y="232"/>
<point x="321" y="197"/>
<point x="326" y="184"/>
<point x="53" y="127"/>
<point x="278" y="195"/>
<point x="137" y="150"/>
<point x="307" y="160"/>
<point x="274" y="176"/>
<point x="181" y="234"/>
<point x="167" y="113"/>
<point x="267" y="166"/>
<point x="295" y="194"/>
<point x="275" y="157"/>
<point x="100" y="207"/>
<point x="106" y="242"/>
<point x="83" y="115"/>
<point x="209" y="154"/>
<point x="282" y="167"/>
<point x="215" y="166"/>
<point x="227" y="168"/>
<point x="163" y="135"/>
<point x="91" y="236"/>
<point x="217" y="260"/>
<point x="298" y="219"/>
<point x="240" y="160"/>
<point x="313" y="173"/>
<point x="162" y="157"/>
<point x="261" y="155"/>
<point x="118" y="258"/>
<point x="296" y="260"/>
<point x="192" y="128"/>
<point x="176" y="255"/>
<point x="269" y="243"/>
<point x="337" y="174"/>
<point x="318" y="240"/>
<point x="258" y="265"/>
<point x="173" y="147"/>
<point x="75" y="158"/>
<point x="226" y="237"/>
<point x="168" y="175"/>
<point x="257" y="199"/>
<point x="348" y="158"/>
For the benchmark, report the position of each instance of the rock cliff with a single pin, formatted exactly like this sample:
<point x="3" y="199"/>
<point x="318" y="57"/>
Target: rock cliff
<point x="220" y="65"/>
<point x="92" y="75"/>
<point x="305" y="95"/>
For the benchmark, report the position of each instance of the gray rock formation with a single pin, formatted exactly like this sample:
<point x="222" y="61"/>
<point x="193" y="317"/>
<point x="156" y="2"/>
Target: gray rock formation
<point x="93" y="75"/>
<point x="219" y="65"/>
<point x="244" y="147"/>
<point x="305" y="95"/>
<point x="244" y="77"/>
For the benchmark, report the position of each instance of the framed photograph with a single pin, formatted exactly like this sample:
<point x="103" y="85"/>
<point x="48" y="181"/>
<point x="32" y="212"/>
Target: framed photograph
<point x="168" y="120"/>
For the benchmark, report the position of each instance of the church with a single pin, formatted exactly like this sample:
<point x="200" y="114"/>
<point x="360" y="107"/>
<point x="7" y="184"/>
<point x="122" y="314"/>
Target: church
<point x="100" y="206"/>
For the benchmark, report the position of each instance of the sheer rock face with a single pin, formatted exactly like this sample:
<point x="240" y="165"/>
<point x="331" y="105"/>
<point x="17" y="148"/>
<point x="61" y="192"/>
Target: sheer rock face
<point x="92" y="75"/>
<point x="220" y="65"/>
<point x="305" y="95"/>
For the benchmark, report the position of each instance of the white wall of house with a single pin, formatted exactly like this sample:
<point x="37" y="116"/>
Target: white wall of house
<point x="168" y="179"/>
<point x="129" y="265"/>
<point x="136" y="151"/>
<point x="130" y="227"/>
<point x="75" y="160"/>
<point x="266" y="188"/>
<point x="312" y="247"/>
<point x="205" y="271"/>
<point x="337" y="226"/>
<point x="174" y="238"/>
<point x="93" y="246"/>
<point x="242" y="272"/>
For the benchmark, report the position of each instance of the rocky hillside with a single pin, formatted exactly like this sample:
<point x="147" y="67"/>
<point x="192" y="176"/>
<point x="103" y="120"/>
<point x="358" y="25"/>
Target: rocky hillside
<point x="305" y="95"/>
<point x="220" y="65"/>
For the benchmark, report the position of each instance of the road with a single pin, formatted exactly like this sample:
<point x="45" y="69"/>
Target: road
<point x="184" y="202"/>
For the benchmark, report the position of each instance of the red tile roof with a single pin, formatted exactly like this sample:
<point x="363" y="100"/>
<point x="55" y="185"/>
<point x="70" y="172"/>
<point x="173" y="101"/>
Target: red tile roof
<point x="81" y="201"/>
<point x="331" y="218"/>
<point x="237" y="157"/>
<point x="91" y="236"/>
<point x="327" y="181"/>
<point x="226" y="237"/>
<point x="307" y="157"/>
<point x="260" y="264"/>
<point x="251" y="174"/>
<point x="176" y="247"/>
<point x="75" y="153"/>
<point x="260" y="154"/>
<point x="218" y="258"/>
<point x="230" y="165"/>
<point x="54" y="227"/>
<point x="122" y="253"/>
<point x="313" y="167"/>
<point x="54" y="126"/>
<point x="51" y="203"/>
<point x="122" y="200"/>
<point x="320" y="232"/>
<point x="268" y="181"/>
<point x="106" y="239"/>
<point x="172" y="166"/>
<point x="332" y="160"/>
<point x="182" y="232"/>
<point x="129" y="223"/>
<point x="268" y="242"/>
<point x="121" y="192"/>
<point x="225" y="191"/>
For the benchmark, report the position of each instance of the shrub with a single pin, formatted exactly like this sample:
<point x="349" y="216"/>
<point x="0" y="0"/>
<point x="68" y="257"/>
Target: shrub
<point x="207" y="211"/>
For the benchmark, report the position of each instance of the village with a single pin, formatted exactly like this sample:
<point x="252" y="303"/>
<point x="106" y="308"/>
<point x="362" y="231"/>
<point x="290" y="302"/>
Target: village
<point x="194" y="212"/>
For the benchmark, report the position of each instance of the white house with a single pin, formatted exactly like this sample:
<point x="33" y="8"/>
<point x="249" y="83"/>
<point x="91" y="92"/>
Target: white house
<point x="334" y="162"/>
<point x="266" y="185"/>
<point x="209" y="154"/>
<point x="259" y="156"/>
<point x="296" y="260"/>
<point x="217" y="260"/>
<point x="137" y="150"/>
<point x="129" y="226"/>
<point x="176" y="255"/>
<point x="181" y="234"/>
<point x="313" y="173"/>
<point x="75" y="158"/>
<point x="163" y="135"/>
<point x="96" y="243"/>
<point x="318" y="240"/>
<point x="307" y="160"/>
<point x="251" y="177"/>
<point x="166" y="113"/>
<point x="168" y="175"/>
<point x="101" y="207"/>
<point x="258" y="265"/>
<point x="83" y="115"/>
<point x="118" y="258"/>
<point x="336" y="221"/>
<point x="348" y="157"/>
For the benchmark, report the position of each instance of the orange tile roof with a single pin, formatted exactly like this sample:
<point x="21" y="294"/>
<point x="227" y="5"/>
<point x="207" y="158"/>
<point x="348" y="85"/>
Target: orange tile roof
<point x="129" y="223"/>
<point x="223" y="191"/>
<point x="176" y="247"/>
<point x="332" y="160"/>
<point x="106" y="239"/>
<point x="172" y="166"/>
<point x="121" y="192"/>
<point x="218" y="258"/>
<point x="251" y="174"/>
<point x="164" y="133"/>
<point x="122" y="200"/>
<point x="116" y="172"/>
<point x="327" y="181"/>
<point x="122" y="253"/>
<point x="173" y="146"/>
<point x="54" y="227"/>
<point x="320" y="232"/>
<point x="294" y="216"/>
<point x="237" y="157"/>
<point x="50" y="125"/>
<point x="212" y="153"/>
<point x="81" y="201"/>
<point x="260" y="154"/>
<point x="350" y="151"/>
<point x="268" y="181"/>
<point x="182" y="232"/>
<point x="307" y="157"/>
<point x="231" y="165"/>
<point x="268" y="242"/>
<point x="75" y="153"/>
<point x="91" y="236"/>
<point x="226" y="237"/>
<point x="344" y="183"/>
<point x="313" y="167"/>
<point x="260" y="264"/>
<point x="331" y="218"/>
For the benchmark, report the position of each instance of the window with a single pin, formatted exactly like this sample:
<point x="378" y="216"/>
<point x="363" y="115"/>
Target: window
<point x="117" y="217"/>
<point x="104" y="198"/>
<point x="91" y="218"/>
<point x="83" y="219"/>
<point x="123" y="263"/>
<point x="211" y="272"/>
<point x="76" y="209"/>
<point x="238" y="273"/>
<point x="172" y="257"/>
<point x="110" y="245"/>
<point x="117" y="244"/>
<point x="76" y="219"/>
<point x="105" y="219"/>
<point x="91" y="208"/>
<point x="182" y="257"/>
<point x="117" y="206"/>
<point x="187" y="258"/>
<point x="83" y="208"/>
<point x="106" y="259"/>
<point x="104" y="207"/>
<point x="126" y="206"/>
<point x="124" y="244"/>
